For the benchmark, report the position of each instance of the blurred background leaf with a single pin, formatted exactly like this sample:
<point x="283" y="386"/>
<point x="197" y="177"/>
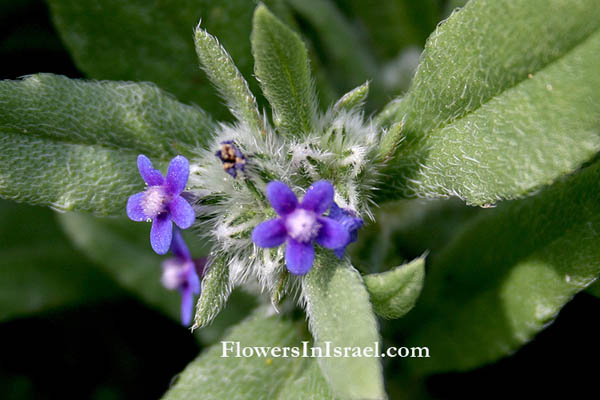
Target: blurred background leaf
<point x="39" y="270"/>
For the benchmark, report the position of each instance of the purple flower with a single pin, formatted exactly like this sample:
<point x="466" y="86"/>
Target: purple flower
<point x="161" y="201"/>
<point x="350" y="221"/>
<point x="300" y="224"/>
<point x="182" y="273"/>
<point x="232" y="158"/>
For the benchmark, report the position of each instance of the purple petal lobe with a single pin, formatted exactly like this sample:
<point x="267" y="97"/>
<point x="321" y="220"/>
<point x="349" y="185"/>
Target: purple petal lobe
<point x="332" y="234"/>
<point x="299" y="257"/>
<point x="283" y="200"/>
<point x="178" y="246"/>
<point x="161" y="234"/>
<point x="318" y="197"/>
<point x="177" y="174"/>
<point x="150" y="175"/>
<point x="135" y="210"/>
<point x="187" y="306"/>
<point x="182" y="212"/>
<point x="270" y="233"/>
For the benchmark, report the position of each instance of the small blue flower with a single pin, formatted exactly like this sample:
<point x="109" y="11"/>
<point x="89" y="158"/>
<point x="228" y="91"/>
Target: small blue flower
<point x="300" y="224"/>
<point x="350" y="221"/>
<point x="232" y="158"/>
<point x="161" y="201"/>
<point x="182" y="273"/>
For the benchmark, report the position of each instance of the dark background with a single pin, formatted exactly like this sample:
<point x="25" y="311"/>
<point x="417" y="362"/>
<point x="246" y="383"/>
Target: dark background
<point x="123" y="350"/>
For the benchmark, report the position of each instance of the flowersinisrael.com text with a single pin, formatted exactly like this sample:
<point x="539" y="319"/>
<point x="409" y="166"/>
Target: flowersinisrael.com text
<point x="327" y="350"/>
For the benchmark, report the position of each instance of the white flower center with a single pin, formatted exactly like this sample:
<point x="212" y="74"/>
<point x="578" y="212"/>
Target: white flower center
<point x="154" y="201"/>
<point x="302" y="225"/>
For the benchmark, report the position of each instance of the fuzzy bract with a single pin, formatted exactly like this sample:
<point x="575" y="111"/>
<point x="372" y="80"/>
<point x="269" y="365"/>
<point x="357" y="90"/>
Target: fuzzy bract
<point x="162" y="202"/>
<point x="300" y="224"/>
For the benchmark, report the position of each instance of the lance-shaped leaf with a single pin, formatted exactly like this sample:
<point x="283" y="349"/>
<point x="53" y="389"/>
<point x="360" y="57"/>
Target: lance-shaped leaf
<point x="122" y="115"/>
<point x="72" y="144"/>
<point x="340" y="315"/>
<point x="281" y="66"/>
<point x="264" y="375"/>
<point x="216" y="288"/>
<point x="507" y="275"/>
<point x="152" y="41"/>
<point x="223" y="73"/>
<point x="66" y="176"/>
<point x="353" y="99"/>
<point x="395" y="292"/>
<point x="40" y="270"/>
<point x="495" y="114"/>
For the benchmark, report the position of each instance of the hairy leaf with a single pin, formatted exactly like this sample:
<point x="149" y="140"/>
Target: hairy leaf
<point x="494" y="113"/>
<point x="216" y="288"/>
<point x="353" y="99"/>
<point x="281" y="66"/>
<point x="339" y="312"/>
<point x="507" y="275"/>
<point x="40" y="270"/>
<point x="212" y="376"/>
<point x="136" y="117"/>
<point x="223" y="73"/>
<point x="394" y="293"/>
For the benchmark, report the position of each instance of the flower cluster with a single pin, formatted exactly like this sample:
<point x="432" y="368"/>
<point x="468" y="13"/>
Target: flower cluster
<point x="301" y="224"/>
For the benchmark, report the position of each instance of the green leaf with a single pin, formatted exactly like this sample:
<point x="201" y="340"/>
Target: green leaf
<point x="349" y="60"/>
<point x="395" y="292"/>
<point x="216" y="288"/>
<point x="501" y="121"/>
<point x="72" y="144"/>
<point x="212" y="376"/>
<point x="223" y="73"/>
<point x="507" y="275"/>
<point x="353" y="99"/>
<point x="339" y="312"/>
<point x="40" y="271"/>
<point x="137" y="117"/>
<point x="66" y="176"/>
<point x="281" y="66"/>
<point x="153" y="41"/>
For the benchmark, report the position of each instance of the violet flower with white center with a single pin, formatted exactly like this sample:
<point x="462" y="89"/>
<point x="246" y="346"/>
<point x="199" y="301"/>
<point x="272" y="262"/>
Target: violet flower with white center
<point x="350" y="221"/>
<point x="300" y="224"/>
<point x="182" y="273"/>
<point x="232" y="158"/>
<point x="161" y="202"/>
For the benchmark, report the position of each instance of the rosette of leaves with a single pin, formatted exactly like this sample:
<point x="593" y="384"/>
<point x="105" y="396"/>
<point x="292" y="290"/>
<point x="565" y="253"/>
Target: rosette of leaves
<point x="497" y="110"/>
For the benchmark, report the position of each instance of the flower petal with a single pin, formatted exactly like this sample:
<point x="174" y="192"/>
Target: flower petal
<point x="161" y="234"/>
<point x="270" y="233"/>
<point x="150" y="175"/>
<point x="134" y="207"/>
<point x="332" y="234"/>
<point x="299" y="257"/>
<point x="177" y="174"/>
<point x="178" y="246"/>
<point x="182" y="212"/>
<point x="318" y="197"/>
<point x="281" y="197"/>
<point x="187" y="306"/>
